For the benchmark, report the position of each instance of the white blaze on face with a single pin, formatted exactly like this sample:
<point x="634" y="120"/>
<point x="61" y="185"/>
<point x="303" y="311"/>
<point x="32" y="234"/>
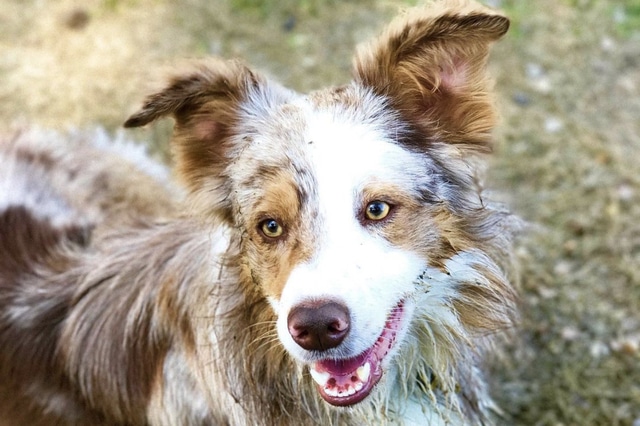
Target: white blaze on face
<point x="351" y="264"/>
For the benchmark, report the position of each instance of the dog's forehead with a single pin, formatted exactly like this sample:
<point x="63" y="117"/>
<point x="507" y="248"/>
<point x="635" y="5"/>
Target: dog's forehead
<point x="345" y="134"/>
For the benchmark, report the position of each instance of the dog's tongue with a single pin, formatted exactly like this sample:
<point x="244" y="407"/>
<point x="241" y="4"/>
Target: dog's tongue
<point x="342" y="367"/>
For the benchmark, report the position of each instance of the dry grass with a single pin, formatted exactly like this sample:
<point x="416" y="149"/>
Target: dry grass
<point x="571" y="95"/>
<point x="569" y="81"/>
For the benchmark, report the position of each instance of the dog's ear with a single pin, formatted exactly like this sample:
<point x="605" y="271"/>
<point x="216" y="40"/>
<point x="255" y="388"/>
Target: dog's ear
<point x="430" y="64"/>
<point x="206" y="100"/>
<point x="223" y="83"/>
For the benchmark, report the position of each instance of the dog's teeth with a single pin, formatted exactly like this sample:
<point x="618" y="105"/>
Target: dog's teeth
<point x="358" y="386"/>
<point x="364" y="372"/>
<point x="318" y="377"/>
<point x="331" y="392"/>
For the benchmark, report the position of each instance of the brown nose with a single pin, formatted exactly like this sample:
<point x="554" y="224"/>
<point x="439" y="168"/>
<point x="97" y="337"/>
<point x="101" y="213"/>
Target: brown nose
<point x="319" y="326"/>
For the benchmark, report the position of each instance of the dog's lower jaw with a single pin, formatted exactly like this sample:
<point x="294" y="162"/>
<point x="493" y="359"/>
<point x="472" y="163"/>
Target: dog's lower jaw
<point x="345" y="382"/>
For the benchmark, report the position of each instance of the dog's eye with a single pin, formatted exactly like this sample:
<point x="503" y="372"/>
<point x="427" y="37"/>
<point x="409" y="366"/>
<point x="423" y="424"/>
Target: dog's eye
<point x="271" y="228"/>
<point x="377" y="210"/>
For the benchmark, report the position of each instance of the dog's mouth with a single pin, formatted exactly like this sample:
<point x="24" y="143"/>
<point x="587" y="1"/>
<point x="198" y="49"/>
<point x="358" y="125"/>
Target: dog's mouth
<point x="344" y="382"/>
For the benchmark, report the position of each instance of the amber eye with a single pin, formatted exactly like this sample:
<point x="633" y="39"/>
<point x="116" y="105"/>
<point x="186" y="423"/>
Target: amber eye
<point x="271" y="228"/>
<point x="377" y="210"/>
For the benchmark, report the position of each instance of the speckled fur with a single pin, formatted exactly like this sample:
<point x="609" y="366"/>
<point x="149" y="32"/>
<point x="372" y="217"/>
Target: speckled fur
<point x="127" y="300"/>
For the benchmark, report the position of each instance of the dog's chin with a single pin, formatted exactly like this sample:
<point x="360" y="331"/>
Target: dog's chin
<point x="348" y="381"/>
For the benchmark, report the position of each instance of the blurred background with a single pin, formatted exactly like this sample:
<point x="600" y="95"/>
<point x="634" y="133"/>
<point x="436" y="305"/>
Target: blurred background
<point x="567" y="156"/>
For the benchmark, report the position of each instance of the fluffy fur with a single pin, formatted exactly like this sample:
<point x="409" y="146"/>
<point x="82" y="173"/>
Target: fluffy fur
<point x="127" y="300"/>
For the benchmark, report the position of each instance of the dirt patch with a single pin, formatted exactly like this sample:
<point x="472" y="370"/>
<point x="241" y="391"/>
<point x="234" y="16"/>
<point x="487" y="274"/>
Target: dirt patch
<point x="568" y="75"/>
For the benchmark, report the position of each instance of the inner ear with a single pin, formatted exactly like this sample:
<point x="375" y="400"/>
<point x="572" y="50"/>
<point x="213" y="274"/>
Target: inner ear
<point x="454" y="76"/>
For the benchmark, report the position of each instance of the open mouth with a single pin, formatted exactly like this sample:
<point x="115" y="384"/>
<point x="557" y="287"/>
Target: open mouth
<point x="344" y="382"/>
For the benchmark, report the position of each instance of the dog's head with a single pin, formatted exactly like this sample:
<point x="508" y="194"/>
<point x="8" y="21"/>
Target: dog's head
<point x="358" y="209"/>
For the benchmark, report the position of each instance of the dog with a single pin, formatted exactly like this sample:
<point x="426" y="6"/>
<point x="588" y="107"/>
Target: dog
<point x="327" y="258"/>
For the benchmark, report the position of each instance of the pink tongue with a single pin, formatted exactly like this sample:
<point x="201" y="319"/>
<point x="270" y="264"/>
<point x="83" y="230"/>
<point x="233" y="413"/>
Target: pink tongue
<point x="342" y="367"/>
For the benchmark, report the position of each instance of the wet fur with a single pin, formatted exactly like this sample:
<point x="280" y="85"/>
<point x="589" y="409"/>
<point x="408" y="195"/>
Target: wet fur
<point x="125" y="301"/>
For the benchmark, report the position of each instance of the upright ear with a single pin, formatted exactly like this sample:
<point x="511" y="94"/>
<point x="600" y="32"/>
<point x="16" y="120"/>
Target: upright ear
<point x="430" y="63"/>
<point x="206" y="102"/>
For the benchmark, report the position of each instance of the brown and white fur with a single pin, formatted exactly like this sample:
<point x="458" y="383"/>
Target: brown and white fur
<point x="339" y="238"/>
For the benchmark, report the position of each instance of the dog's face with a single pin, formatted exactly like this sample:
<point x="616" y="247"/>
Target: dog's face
<point x="356" y="207"/>
<point x="329" y="222"/>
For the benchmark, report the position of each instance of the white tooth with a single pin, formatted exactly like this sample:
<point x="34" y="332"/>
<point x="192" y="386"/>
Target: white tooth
<point x="358" y="386"/>
<point x="318" y="377"/>
<point x="331" y="392"/>
<point x="363" y="372"/>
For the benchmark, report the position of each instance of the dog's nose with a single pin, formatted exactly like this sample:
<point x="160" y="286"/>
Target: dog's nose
<point x="319" y="326"/>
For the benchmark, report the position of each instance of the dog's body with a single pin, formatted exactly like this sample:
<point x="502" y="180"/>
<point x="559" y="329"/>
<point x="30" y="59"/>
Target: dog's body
<point x="331" y="259"/>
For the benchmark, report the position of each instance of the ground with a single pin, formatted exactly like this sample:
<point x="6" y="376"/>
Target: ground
<point x="568" y="78"/>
